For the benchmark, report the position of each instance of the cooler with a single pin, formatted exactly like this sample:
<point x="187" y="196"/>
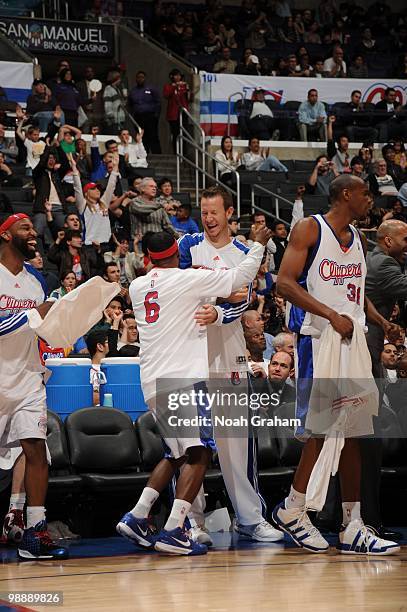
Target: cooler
<point x="68" y="388"/>
<point x="123" y="382"/>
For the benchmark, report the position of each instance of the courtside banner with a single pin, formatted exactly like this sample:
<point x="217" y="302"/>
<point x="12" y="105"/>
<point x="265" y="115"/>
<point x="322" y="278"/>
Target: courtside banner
<point x="16" y="80"/>
<point x="54" y="37"/>
<point x="216" y="89"/>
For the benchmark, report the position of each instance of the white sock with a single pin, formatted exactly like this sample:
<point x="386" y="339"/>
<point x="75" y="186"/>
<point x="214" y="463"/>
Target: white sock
<point x="145" y="503"/>
<point x="295" y="499"/>
<point x="179" y="511"/>
<point x="35" y="514"/>
<point x="350" y="511"/>
<point x="17" y="501"/>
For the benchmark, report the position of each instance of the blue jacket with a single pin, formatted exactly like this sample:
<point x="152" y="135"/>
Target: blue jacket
<point x="145" y="99"/>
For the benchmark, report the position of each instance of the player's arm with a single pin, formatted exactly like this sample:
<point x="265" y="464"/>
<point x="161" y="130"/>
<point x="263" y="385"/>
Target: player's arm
<point x="303" y="239"/>
<point x="19" y="322"/>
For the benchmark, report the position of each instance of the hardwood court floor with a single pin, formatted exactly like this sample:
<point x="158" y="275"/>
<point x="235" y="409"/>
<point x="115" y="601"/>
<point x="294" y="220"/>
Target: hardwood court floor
<point x="260" y="577"/>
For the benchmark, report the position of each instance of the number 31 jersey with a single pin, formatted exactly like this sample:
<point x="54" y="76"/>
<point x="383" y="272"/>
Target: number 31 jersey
<point x="333" y="275"/>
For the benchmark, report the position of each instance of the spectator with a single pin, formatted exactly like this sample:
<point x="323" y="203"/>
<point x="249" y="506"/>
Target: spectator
<point x="233" y="226"/>
<point x="367" y="43"/>
<point x="114" y="112"/>
<point x="7" y="146"/>
<point x="318" y="71"/>
<point x="129" y="336"/>
<point x="259" y="32"/>
<point x="284" y="341"/>
<point x="102" y="166"/>
<point x="356" y="120"/>
<point x="212" y="43"/>
<point x="133" y="153"/>
<point x="323" y="173"/>
<point x="111" y="273"/>
<point x="266" y="67"/>
<point x="67" y="253"/>
<point x="30" y="136"/>
<point x="256" y="345"/>
<point x="261" y="123"/>
<point x="83" y="159"/>
<point x="366" y="153"/>
<point x="304" y="68"/>
<point x="280" y="370"/>
<point x="71" y="221"/>
<point x="288" y="32"/>
<point x="51" y="280"/>
<point x="94" y="207"/>
<point x="56" y="80"/>
<point x="166" y="198"/>
<point x="98" y="347"/>
<point x="68" y="283"/>
<point x="357" y="167"/>
<point x="177" y="94"/>
<point x="292" y="66"/>
<point x="41" y="105"/>
<point x="339" y="154"/>
<point x="358" y="68"/>
<point x="146" y="213"/>
<point x="92" y="102"/>
<point x="311" y="36"/>
<point x="312" y="117"/>
<point x="251" y="319"/>
<point x="225" y="65"/>
<point x="381" y="183"/>
<point x="396" y="212"/>
<point x="393" y="123"/>
<point x="130" y="264"/>
<point x="260" y="159"/>
<point x="68" y="97"/>
<point x="227" y="34"/>
<point x="67" y="136"/>
<point x="48" y="176"/>
<point x="280" y="239"/>
<point x="145" y="107"/>
<point x="6" y="174"/>
<point x="400" y="151"/>
<point x="227" y="161"/>
<point x="247" y="66"/>
<point x="389" y="358"/>
<point x="397" y="173"/>
<point x="182" y="221"/>
<point x="335" y="67"/>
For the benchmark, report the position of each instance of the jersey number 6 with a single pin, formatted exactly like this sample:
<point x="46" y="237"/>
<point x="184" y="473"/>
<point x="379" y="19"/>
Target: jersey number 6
<point x="152" y="307"/>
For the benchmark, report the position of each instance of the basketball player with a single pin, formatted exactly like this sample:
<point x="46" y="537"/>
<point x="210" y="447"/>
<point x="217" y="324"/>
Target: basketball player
<point x="23" y="414"/>
<point x="323" y="274"/>
<point x="215" y="249"/>
<point x="173" y="346"/>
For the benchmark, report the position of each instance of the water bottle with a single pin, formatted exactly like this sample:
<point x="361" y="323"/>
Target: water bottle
<point x="108" y="400"/>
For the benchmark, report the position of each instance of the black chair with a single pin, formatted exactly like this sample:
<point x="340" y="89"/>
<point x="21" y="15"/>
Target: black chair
<point x="270" y="470"/>
<point x="289" y="448"/>
<point x="243" y="108"/>
<point x="150" y="443"/>
<point x="304" y="165"/>
<point x="104" y="450"/>
<point x="61" y="476"/>
<point x="289" y="164"/>
<point x="183" y="197"/>
<point x="315" y="204"/>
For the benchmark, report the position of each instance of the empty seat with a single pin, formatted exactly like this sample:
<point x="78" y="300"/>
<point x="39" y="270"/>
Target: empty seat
<point x="150" y="444"/>
<point x="61" y="476"/>
<point x="304" y="165"/>
<point x="289" y="164"/>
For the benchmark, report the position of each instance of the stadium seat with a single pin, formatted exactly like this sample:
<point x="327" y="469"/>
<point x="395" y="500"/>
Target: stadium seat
<point x="183" y="197"/>
<point x="104" y="450"/>
<point x="150" y="444"/>
<point x="61" y="477"/>
<point x="304" y="165"/>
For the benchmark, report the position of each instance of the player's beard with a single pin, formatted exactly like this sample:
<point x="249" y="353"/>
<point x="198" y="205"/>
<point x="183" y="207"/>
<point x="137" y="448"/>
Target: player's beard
<point x="22" y="246"/>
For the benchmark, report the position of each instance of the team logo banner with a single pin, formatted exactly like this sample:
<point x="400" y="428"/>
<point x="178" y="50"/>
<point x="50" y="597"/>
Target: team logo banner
<point x="216" y="89"/>
<point x="67" y="37"/>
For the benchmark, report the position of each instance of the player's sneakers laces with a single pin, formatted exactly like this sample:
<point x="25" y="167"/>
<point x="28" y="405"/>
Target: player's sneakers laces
<point x="359" y="539"/>
<point x="139" y="531"/>
<point x="177" y="542"/>
<point x="263" y="532"/>
<point x="13" y="527"/>
<point x="200" y="534"/>
<point x="37" y="544"/>
<point x="296" y="523"/>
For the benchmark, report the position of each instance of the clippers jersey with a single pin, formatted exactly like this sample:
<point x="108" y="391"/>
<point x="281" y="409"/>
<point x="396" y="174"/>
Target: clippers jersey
<point x="334" y="276"/>
<point x="226" y="343"/>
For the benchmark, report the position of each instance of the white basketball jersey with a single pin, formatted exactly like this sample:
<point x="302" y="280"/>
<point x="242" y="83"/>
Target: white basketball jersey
<point x="333" y="275"/>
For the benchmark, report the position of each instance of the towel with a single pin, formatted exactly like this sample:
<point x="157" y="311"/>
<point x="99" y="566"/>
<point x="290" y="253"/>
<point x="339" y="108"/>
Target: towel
<point x="73" y="315"/>
<point x="343" y="400"/>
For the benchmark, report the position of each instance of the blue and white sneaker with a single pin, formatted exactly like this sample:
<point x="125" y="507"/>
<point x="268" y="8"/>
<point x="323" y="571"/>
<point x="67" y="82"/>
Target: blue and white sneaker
<point x="139" y="531"/>
<point x="177" y="542"/>
<point x="37" y="544"/>
<point x="296" y="523"/>
<point x="359" y="539"/>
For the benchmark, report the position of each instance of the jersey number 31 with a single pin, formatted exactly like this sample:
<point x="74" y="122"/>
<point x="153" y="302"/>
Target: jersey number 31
<point x="152" y="307"/>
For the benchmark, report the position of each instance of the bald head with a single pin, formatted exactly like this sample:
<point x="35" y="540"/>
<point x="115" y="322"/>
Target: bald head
<point x="342" y="182"/>
<point x="252" y="319"/>
<point x="392" y="239"/>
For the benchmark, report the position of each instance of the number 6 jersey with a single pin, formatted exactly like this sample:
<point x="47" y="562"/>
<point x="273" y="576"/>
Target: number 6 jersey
<point x="334" y="275"/>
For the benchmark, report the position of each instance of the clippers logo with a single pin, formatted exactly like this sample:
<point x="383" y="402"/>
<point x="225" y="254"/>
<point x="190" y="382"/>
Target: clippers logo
<point x="331" y="270"/>
<point x="13" y="305"/>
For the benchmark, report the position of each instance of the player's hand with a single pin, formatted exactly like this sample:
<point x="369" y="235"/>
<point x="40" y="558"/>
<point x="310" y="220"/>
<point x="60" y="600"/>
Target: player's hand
<point x="342" y="324"/>
<point x="391" y="331"/>
<point x="263" y="235"/>
<point x="206" y="315"/>
<point x="238" y="296"/>
<point x="257" y="370"/>
<point x="44" y="308"/>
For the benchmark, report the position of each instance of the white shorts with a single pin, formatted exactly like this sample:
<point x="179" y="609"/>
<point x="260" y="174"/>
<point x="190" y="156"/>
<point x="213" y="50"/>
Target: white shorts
<point x="23" y="423"/>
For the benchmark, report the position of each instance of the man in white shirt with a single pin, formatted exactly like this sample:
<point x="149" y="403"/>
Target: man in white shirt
<point x="259" y="159"/>
<point x="165" y="339"/>
<point x="23" y="412"/>
<point x="335" y="67"/>
<point x="261" y="124"/>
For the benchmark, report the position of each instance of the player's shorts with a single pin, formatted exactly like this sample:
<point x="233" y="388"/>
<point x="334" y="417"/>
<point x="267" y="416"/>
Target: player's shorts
<point x="358" y="423"/>
<point x="22" y="423"/>
<point x="177" y="439"/>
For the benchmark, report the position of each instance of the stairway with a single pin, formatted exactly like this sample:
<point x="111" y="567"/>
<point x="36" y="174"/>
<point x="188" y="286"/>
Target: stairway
<point x="166" y="166"/>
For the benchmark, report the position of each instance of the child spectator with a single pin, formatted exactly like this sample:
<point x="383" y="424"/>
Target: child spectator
<point x="134" y="153"/>
<point x="182" y="221"/>
<point x="98" y="347"/>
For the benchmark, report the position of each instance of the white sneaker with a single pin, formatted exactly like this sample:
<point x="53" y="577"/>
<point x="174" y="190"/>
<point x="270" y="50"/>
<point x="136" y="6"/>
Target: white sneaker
<point x="359" y="539"/>
<point x="263" y="532"/>
<point x="296" y="522"/>
<point x="200" y="534"/>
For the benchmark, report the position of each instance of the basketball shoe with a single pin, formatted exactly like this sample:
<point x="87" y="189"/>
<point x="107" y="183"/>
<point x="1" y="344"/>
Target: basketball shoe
<point x="296" y="523"/>
<point x="177" y="542"/>
<point x="263" y="532"/>
<point x="139" y="531"/>
<point x="199" y="533"/>
<point x="359" y="539"/>
<point x="37" y="544"/>
<point x="13" y="527"/>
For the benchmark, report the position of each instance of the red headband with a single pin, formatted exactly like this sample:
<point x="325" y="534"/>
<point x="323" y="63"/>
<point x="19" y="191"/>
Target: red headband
<point x="164" y="254"/>
<point x="11" y="220"/>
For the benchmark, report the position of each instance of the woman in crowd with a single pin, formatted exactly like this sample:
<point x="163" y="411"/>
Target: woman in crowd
<point x="68" y="283"/>
<point x="68" y="97"/>
<point x="166" y="198"/>
<point x="227" y="160"/>
<point x="178" y="95"/>
<point x="83" y="159"/>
